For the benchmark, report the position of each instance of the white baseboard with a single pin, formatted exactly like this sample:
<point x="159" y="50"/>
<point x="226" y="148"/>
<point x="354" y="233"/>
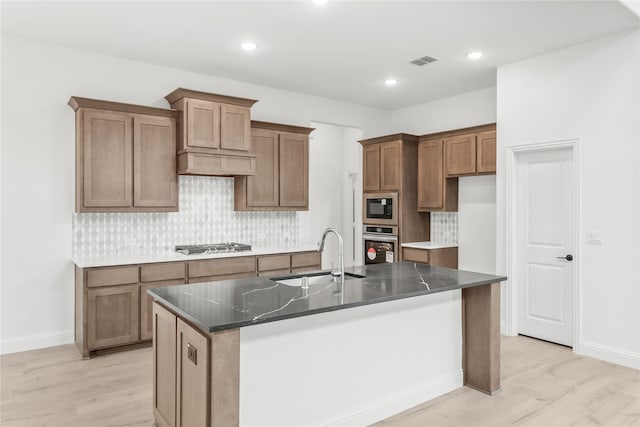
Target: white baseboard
<point x="32" y="342"/>
<point x="396" y="403"/>
<point x="609" y="354"/>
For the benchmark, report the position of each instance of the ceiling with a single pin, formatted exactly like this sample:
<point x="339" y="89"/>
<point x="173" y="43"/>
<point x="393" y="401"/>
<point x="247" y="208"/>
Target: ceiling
<point x="342" y="49"/>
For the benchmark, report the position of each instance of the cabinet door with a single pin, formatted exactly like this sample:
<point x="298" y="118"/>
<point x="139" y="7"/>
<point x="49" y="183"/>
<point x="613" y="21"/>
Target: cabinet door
<point x="155" y="181"/>
<point x="113" y="315"/>
<point x="203" y="124"/>
<point x="461" y="155"/>
<point x="294" y="170"/>
<point x="107" y="162"/>
<point x="486" y="152"/>
<point x="390" y="165"/>
<point x="192" y="359"/>
<point x="371" y="166"/>
<point x="430" y="175"/>
<point x="235" y="127"/>
<point x="164" y="366"/>
<point x="263" y="188"/>
<point x="146" y="305"/>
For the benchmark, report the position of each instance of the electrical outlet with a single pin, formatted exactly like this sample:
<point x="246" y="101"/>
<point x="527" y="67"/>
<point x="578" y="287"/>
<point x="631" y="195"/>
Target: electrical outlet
<point x="594" y="237"/>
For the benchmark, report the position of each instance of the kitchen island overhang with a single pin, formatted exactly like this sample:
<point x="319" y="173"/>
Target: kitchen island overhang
<point x="216" y="311"/>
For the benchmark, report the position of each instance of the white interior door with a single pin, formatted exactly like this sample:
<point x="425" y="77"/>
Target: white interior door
<point x="546" y="218"/>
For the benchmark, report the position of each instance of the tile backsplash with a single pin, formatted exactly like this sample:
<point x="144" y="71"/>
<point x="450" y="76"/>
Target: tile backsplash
<point x="444" y="227"/>
<point x="206" y="216"/>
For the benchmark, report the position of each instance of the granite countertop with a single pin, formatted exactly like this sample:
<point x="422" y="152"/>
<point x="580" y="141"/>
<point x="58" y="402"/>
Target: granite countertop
<point x="230" y="304"/>
<point x="171" y="256"/>
<point x="428" y="245"/>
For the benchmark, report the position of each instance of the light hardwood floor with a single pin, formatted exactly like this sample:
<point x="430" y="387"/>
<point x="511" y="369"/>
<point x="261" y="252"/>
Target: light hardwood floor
<point x="542" y="385"/>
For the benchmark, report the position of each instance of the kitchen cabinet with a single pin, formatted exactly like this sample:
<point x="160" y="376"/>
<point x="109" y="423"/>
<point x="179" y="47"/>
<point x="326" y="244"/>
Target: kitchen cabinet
<point x="211" y="270"/>
<point x="471" y="154"/>
<point x="192" y="379"/>
<point x="440" y="257"/>
<point x="164" y="366"/>
<point x="156" y="276"/>
<point x="125" y="157"/>
<point x="282" y="169"/>
<point x="274" y="265"/>
<point x="215" y="133"/>
<point x="382" y="166"/>
<point x="306" y="261"/>
<point x="113" y="315"/>
<point x="436" y="192"/>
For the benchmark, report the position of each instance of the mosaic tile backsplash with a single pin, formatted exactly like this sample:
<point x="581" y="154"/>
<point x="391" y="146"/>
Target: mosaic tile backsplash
<point x="206" y="216"/>
<point x="444" y="227"/>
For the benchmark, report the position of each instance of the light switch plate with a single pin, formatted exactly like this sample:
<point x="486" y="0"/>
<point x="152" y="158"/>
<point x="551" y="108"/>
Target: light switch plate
<point x="594" y="237"/>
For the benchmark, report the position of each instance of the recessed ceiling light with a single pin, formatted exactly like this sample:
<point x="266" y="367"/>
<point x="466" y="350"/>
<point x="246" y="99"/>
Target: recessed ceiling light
<point x="319" y="1"/>
<point x="391" y="82"/>
<point x="249" y="46"/>
<point x="474" y="55"/>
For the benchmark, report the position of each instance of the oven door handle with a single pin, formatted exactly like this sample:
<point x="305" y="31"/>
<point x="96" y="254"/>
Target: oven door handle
<point x="380" y="237"/>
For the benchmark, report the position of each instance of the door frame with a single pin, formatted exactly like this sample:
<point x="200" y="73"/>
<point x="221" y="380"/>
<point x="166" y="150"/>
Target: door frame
<point x="512" y="235"/>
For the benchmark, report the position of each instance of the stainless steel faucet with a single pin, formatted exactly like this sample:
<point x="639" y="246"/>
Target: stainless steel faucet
<point x="340" y="251"/>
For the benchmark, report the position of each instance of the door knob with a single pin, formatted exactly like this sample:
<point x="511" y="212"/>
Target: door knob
<point x="567" y="257"/>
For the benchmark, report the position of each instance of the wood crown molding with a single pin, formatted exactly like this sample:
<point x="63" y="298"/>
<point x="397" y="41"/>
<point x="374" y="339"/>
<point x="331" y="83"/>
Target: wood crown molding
<point x="255" y="124"/>
<point x="456" y="132"/>
<point x="388" y="138"/>
<point x="180" y="93"/>
<point x="76" y="102"/>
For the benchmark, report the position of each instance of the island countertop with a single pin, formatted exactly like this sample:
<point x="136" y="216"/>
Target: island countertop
<point x="230" y="304"/>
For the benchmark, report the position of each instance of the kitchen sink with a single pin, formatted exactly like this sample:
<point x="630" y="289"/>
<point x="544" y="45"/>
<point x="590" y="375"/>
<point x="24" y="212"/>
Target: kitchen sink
<point x="319" y="278"/>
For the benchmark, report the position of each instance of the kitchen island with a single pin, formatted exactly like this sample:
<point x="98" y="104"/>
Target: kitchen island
<point x="204" y="373"/>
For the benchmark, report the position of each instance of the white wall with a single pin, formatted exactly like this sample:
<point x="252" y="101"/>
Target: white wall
<point x="589" y="91"/>
<point x="476" y="195"/>
<point x="37" y="165"/>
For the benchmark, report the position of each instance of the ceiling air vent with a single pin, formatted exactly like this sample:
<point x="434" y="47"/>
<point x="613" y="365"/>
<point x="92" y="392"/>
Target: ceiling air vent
<point x="424" y="60"/>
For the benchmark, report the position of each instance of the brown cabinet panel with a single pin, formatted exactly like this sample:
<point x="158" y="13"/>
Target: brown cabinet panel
<point x="390" y="165"/>
<point x="163" y="271"/>
<point x="202" y="124"/>
<point x="415" y="255"/>
<point x="164" y="366"/>
<point x="486" y="152"/>
<point x="217" y="278"/>
<point x="222" y="266"/>
<point x="146" y="303"/>
<point x="155" y="181"/>
<point x="371" y="167"/>
<point x="441" y="257"/>
<point x="274" y="262"/>
<point x="305" y="269"/>
<point x="193" y="370"/>
<point x="109" y="276"/>
<point x="294" y="170"/>
<point x="263" y="188"/>
<point x="106" y="146"/>
<point x="235" y="127"/>
<point x="269" y="273"/>
<point x="306" y="259"/>
<point x="461" y="155"/>
<point x="112" y="316"/>
<point x="435" y="191"/>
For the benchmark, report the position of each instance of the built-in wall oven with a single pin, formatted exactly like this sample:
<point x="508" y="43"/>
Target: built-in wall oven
<point x="380" y="208"/>
<point x="380" y="243"/>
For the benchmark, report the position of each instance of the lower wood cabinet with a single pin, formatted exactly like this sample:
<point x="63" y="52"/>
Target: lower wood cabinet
<point x="441" y="257"/>
<point x="146" y="303"/>
<point x="192" y="380"/>
<point x="113" y="315"/>
<point x="164" y="366"/>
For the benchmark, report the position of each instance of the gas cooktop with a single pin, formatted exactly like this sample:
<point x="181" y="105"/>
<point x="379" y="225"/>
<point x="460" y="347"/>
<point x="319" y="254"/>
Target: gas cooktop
<point x="215" y="248"/>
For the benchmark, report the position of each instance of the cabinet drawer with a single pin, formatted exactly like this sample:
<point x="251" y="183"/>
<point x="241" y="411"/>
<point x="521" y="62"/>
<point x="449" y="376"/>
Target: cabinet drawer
<point x="305" y="259"/>
<point x="203" y="279"/>
<point x="112" y="276"/>
<point x="276" y="262"/>
<point x="146" y="305"/>
<point x="269" y="273"/>
<point x="164" y="271"/>
<point x="219" y="267"/>
<point x="306" y="268"/>
<point x="416" y="255"/>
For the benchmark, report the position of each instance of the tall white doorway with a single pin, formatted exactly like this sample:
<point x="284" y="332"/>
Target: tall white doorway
<point x="544" y="226"/>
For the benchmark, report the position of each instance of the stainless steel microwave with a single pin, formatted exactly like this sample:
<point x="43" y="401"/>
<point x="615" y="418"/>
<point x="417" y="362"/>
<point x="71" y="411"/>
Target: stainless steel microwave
<point x="380" y="208"/>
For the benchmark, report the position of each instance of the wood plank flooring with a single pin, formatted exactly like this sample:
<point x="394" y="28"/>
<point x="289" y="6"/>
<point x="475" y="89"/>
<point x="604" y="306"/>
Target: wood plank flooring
<point x="543" y="385"/>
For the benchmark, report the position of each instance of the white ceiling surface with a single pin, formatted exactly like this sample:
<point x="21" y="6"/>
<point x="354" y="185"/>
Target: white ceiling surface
<point x="342" y="50"/>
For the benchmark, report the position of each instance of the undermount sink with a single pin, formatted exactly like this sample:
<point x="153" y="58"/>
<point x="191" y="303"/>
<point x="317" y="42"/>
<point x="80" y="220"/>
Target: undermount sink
<point x="324" y="277"/>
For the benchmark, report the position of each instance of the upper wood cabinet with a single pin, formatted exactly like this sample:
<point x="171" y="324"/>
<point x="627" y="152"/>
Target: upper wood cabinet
<point x="471" y="154"/>
<point x="125" y="157"/>
<point x="382" y="162"/>
<point x="435" y="191"/>
<point x="215" y="133"/>
<point x="282" y="169"/>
